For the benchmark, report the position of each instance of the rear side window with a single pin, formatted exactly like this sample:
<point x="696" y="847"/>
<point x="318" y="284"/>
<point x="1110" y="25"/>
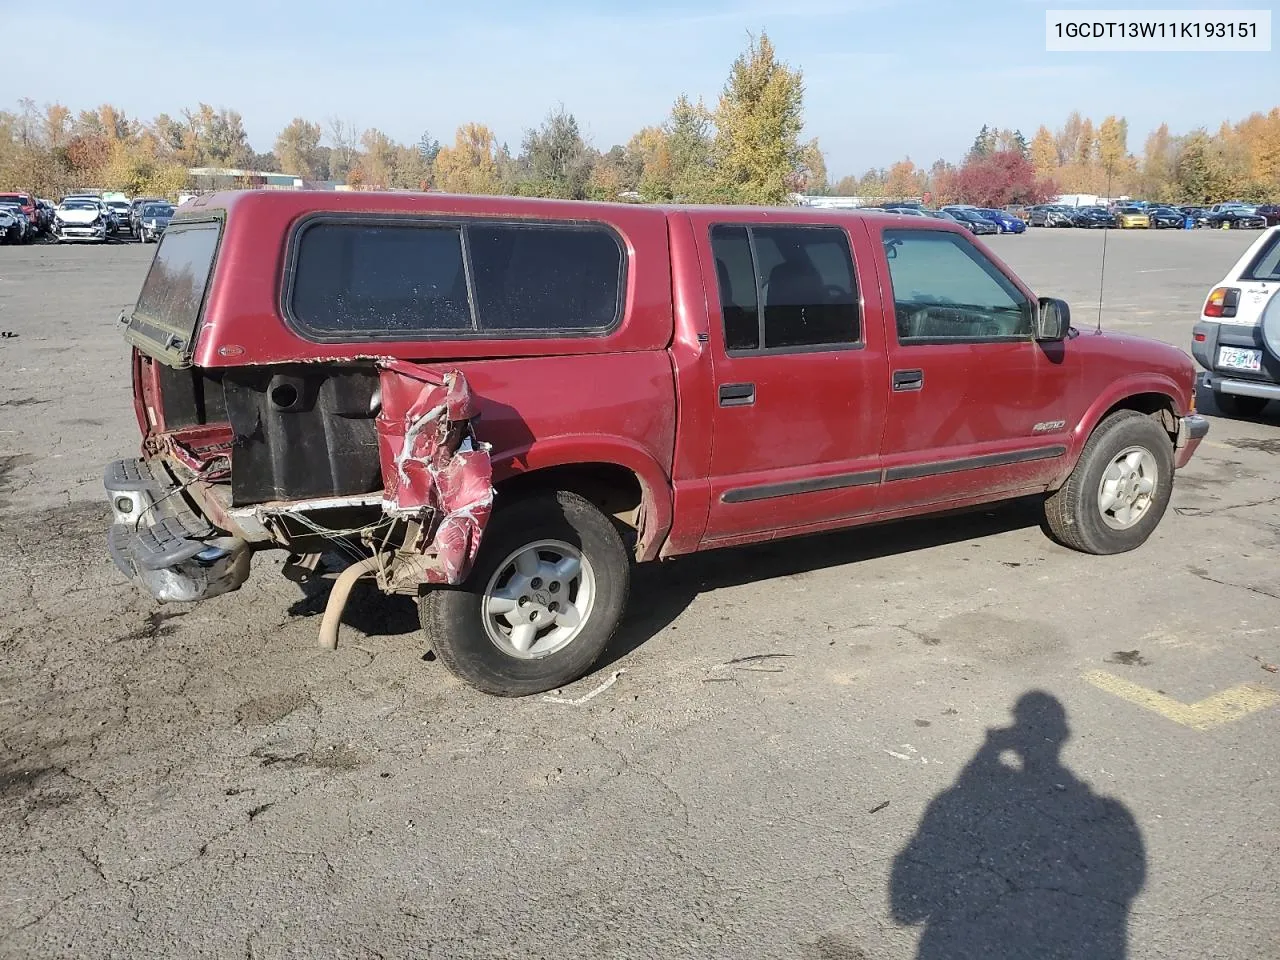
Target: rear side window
<point x="416" y="278"/>
<point x="389" y="279"/>
<point x="174" y="289"/>
<point x="544" y="277"/>
<point x="785" y="287"/>
<point x="1266" y="265"/>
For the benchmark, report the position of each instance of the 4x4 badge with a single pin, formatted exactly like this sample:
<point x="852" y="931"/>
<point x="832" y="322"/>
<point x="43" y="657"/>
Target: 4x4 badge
<point x="1048" y="425"/>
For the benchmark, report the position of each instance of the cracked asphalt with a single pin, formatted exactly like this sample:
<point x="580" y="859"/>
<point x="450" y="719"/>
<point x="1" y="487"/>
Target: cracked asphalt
<point x="877" y="744"/>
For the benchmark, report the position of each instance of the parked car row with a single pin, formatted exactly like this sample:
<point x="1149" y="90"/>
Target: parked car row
<point x="23" y="217"/>
<point x="1155" y="216"/>
<point x="83" y="217"/>
<point x="980" y="221"/>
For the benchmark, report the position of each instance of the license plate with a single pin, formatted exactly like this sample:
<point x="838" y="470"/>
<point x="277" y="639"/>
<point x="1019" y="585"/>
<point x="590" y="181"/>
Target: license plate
<point x="1240" y="359"/>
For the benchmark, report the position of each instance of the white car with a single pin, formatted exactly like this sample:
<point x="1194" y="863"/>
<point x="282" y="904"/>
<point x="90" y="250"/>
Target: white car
<point x="1237" y="339"/>
<point x="81" y="218"/>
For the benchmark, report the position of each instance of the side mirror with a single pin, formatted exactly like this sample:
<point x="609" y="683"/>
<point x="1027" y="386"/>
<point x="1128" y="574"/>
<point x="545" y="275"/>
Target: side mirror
<point x="1053" y="319"/>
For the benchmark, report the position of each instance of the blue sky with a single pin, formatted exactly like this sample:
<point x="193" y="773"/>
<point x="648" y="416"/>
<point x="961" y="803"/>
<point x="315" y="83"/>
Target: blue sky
<point x="884" y="79"/>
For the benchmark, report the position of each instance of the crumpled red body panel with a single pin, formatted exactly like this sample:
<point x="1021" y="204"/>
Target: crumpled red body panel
<point x="432" y="466"/>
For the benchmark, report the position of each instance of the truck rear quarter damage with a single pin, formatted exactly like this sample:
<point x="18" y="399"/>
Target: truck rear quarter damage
<point x="433" y="465"/>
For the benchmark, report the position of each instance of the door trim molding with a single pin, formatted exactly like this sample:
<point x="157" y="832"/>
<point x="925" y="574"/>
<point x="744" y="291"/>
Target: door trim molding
<point x="914" y="471"/>
<point x="768" y="491"/>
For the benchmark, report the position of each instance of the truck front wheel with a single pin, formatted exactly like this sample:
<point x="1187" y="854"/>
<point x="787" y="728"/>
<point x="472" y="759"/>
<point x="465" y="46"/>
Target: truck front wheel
<point x="1118" y="491"/>
<point x="545" y="596"/>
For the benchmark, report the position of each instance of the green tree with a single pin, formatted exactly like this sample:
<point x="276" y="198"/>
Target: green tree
<point x="215" y="137"/>
<point x="984" y="143"/>
<point x="557" y="158"/>
<point x="872" y="183"/>
<point x="846" y="186"/>
<point x="757" y="126"/>
<point x="344" y="146"/>
<point x="811" y="176"/>
<point x="1197" y="169"/>
<point x="1068" y="138"/>
<point x="689" y="144"/>
<point x="1087" y="144"/>
<point x="298" y="149"/>
<point x="650" y="150"/>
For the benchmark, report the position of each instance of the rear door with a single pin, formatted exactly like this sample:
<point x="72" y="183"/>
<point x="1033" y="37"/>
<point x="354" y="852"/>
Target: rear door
<point x="976" y="406"/>
<point x="800" y="375"/>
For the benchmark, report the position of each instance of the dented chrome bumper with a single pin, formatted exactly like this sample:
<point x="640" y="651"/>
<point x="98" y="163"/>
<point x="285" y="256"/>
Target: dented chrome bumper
<point x="158" y="538"/>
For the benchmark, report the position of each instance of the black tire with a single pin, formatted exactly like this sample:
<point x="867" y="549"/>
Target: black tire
<point x="1234" y="405"/>
<point x="453" y="618"/>
<point x="1073" y="513"/>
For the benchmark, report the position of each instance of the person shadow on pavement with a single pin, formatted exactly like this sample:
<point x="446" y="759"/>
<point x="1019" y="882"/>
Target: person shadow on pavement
<point x="1019" y="858"/>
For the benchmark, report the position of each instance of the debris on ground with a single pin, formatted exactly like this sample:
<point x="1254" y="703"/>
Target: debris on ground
<point x="1128" y="658"/>
<point x="740" y="663"/>
<point x="1269" y="667"/>
<point x="587" y="696"/>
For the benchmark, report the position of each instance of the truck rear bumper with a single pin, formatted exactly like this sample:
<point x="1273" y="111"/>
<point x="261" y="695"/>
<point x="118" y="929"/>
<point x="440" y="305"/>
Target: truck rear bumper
<point x="1243" y="388"/>
<point x="158" y="538"/>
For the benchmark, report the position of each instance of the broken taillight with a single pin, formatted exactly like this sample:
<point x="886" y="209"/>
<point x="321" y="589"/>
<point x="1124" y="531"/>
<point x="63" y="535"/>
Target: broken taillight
<point x="1222" y="302"/>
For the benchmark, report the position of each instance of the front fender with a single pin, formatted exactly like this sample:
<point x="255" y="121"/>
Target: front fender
<point x="1115" y="392"/>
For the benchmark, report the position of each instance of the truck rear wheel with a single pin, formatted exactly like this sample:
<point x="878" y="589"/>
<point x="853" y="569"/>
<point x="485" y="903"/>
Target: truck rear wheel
<point x="1119" y="490"/>
<point x="545" y="596"/>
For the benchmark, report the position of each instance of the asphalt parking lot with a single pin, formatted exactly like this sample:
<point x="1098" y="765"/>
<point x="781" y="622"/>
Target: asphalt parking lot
<point x="821" y="750"/>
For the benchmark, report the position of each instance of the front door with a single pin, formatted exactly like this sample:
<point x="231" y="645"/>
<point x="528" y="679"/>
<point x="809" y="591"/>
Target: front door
<point x="976" y="405"/>
<point x="800" y="376"/>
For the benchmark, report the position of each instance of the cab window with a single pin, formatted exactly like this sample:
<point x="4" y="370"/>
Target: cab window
<point x="786" y="287"/>
<point x="945" y="289"/>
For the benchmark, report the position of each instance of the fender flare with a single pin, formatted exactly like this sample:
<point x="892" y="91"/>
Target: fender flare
<point x="1117" y="391"/>
<point x="586" y="449"/>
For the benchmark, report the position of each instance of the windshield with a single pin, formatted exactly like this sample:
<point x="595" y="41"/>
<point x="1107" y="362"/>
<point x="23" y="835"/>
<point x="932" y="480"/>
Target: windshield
<point x="78" y="205"/>
<point x="157" y="210"/>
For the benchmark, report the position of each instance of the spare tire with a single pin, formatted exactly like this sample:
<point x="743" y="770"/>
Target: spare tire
<point x="1270" y="323"/>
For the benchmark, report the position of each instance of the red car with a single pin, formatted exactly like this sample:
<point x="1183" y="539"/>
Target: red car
<point x="1270" y="212"/>
<point x="497" y="405"/>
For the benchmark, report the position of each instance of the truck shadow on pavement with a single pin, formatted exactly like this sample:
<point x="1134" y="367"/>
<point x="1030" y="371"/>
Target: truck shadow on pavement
<point x="1019" y="858"/>
<point x="660" y="592"/>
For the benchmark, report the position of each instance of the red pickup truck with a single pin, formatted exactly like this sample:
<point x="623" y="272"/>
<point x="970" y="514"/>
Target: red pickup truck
<point x="497" y="405"/>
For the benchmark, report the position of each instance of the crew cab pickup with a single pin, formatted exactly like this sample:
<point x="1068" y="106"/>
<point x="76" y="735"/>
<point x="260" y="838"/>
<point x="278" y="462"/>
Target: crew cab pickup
<point x="499" y="405"/>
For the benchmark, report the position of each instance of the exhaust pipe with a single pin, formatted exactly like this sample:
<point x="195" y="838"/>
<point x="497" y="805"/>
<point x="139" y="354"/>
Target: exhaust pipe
<point x="338" y="597"/>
